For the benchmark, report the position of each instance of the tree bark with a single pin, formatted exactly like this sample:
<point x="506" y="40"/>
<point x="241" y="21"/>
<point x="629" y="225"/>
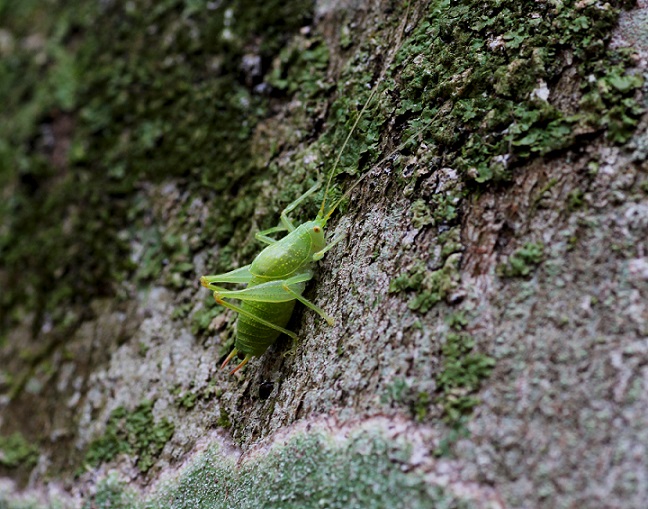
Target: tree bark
<point x="490" y="296"/>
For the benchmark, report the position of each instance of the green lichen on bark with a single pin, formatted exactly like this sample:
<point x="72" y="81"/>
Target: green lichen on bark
<point x="523" y="260"/>
<point x="430" y="286"/>
<point x="494" y="61"/>
<point x="134" y="433"/>
<point x="167" y="111"/>
<point x="462" y="373"/>
<point x="15" y="451"/>
<point x="157" y="105"/>
<point x="308" y="471"/>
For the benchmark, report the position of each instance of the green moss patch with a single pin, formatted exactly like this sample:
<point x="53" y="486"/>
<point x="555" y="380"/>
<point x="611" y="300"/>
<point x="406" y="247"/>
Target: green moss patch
<point x="523" y="261"/>
<point x="462" y="373"/>
<point x="365" y="471"/>
<point x="16" y="451"/>
<point x="135" y="433"/>
<point x="400" y="393"/>
<point x="430" y="286"/>
<point x="495" y="66"/>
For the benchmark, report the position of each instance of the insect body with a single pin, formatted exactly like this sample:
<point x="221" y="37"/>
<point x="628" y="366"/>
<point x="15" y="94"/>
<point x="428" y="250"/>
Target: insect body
<point x="275" y="280"/>
<point x="277" y="277"/>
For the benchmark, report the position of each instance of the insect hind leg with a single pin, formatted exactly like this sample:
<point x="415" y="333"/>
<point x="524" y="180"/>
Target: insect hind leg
<point x="242" y="363"/>
<point x="231" y="355"/>
<point x="219" y="299"/>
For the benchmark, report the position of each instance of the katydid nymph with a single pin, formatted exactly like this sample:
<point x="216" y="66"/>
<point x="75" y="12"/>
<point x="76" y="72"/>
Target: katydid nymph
<point x="277" y="277"/>
<point x="275" y="280"/>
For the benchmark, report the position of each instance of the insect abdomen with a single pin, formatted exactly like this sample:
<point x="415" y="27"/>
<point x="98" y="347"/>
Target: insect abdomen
<point x="253" y="337"/>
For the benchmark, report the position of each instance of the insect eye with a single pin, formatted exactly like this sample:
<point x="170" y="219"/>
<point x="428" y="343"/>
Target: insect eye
<point x="317" y="229"/>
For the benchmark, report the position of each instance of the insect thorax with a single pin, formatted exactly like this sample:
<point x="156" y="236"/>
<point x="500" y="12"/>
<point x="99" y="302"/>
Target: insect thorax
<point x="288" y="255"/>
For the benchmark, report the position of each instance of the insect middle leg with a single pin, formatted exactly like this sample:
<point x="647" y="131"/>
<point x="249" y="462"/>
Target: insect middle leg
<point x="263" y="234"/>
<point x="240" y="275"/>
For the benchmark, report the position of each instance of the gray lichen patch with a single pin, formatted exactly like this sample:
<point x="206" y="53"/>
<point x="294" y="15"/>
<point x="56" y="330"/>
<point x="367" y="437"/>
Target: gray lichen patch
<point x="52" y="496"/>
<point x="149" y="369"/>
<point x="567" y="397"/>
<point x="631" y="31"/>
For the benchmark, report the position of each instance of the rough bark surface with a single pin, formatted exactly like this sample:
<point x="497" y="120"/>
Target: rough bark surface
<point x="497" y="328"/>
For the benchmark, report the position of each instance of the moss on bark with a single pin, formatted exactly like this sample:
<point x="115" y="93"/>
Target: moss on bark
<point x="137" y="157"/>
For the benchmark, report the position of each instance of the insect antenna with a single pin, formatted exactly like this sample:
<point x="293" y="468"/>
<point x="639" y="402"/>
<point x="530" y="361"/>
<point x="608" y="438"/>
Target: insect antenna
<point x="339" y="156"/>
<point x="388" y="156"/>
<point x="366" y="105"/>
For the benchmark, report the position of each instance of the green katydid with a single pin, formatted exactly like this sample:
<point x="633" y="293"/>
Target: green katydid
<point x="275" y="280"/>
<point x="277" y="277"/>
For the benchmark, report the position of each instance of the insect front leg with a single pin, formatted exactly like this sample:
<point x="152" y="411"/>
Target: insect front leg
<point x="320" y="254"/>
<point x="292" y="206"/>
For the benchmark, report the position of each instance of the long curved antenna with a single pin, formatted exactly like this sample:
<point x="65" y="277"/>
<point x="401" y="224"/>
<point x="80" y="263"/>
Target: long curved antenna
<point x="397" y="149"/>
<point x="366" y="105"/>
<point x="339" y="156"/>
